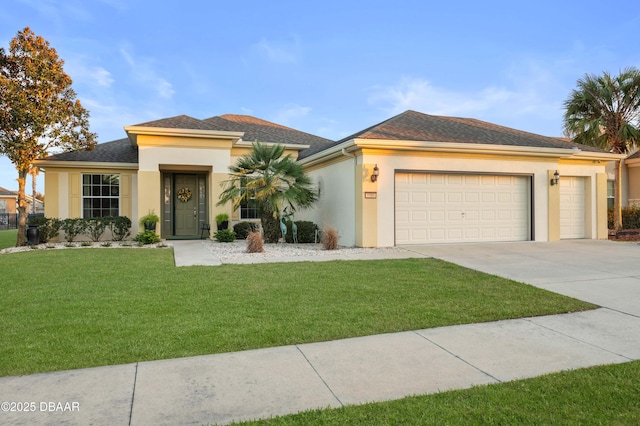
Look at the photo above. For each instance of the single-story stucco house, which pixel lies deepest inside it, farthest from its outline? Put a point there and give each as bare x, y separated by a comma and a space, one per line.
412, 179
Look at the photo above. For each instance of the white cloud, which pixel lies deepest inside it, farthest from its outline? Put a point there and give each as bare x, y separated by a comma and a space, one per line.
527, 96
421, 95
282, 52
290, 114
142, 70
83, 73
60, 11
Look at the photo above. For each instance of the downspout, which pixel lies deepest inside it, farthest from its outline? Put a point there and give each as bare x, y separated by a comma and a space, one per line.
348, 154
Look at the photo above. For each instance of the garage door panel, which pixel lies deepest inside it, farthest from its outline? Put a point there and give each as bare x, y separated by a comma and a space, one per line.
463, 208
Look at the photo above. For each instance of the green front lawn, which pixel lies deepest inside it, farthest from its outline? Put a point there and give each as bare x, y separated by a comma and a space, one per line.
74, 308
8, 238
605, 395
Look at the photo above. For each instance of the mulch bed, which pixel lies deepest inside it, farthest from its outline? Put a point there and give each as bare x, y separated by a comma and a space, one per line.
625, 235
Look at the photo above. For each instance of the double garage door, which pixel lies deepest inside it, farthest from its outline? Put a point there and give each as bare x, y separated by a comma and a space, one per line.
453, 208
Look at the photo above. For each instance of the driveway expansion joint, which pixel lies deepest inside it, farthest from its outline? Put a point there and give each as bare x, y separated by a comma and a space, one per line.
320, 376
486, 373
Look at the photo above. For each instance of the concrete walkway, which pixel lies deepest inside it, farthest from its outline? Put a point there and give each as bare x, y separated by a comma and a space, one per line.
256, 384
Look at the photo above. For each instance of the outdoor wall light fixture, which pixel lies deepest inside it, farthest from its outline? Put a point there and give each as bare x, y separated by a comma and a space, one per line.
555, 178
375, 173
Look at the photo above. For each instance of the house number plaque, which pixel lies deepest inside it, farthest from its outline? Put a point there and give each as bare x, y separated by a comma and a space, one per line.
370, 195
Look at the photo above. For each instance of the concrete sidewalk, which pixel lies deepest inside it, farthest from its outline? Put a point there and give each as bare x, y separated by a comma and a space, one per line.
267, 382
261, 383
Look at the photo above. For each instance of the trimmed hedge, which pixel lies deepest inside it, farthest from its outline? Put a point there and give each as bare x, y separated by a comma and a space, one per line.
306, 231
225, 236
630, 218
242, 229
92, 228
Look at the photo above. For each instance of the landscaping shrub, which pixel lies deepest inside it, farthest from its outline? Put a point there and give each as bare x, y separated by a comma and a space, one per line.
73, 227
48, 228
306, 231
329, 238
147, 237
96, 226
630, 218
225, 236
120, 227
254, 242
242, 229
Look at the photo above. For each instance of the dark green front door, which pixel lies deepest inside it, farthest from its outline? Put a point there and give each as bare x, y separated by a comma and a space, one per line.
186, 218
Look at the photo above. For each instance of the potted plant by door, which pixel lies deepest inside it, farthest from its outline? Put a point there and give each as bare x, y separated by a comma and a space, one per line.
149, 221
222, 221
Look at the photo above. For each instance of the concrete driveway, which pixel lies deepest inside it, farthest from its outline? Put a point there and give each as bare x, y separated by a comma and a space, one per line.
602, 272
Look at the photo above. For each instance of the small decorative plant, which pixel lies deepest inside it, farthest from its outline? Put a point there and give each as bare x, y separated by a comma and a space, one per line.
242, 229
225, 236
222, 221
120, 227
147, 237
329, 238
149, 221
254, 242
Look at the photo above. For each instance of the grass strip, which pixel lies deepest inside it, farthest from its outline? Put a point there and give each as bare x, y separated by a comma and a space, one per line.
75, 308
603, 395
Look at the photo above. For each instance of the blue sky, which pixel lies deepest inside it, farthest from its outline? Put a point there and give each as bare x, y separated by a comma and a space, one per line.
329, 68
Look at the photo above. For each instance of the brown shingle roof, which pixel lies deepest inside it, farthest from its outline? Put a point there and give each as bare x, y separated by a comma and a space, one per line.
266, 131
178, 122
118, 151
416, 126
5, 192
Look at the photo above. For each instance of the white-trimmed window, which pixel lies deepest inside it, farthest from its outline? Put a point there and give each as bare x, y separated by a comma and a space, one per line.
248, 208
3, 206
610, 194
100, 195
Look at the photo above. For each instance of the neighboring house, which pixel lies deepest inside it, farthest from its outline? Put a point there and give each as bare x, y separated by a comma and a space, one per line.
630, 180
9, 202
437, 179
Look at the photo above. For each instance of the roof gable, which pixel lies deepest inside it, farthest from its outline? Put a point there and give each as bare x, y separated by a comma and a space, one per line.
266, 131
178, 122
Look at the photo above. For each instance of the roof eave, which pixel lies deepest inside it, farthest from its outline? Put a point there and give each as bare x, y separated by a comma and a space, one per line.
44, 163
249, 144
134, 131
455, 147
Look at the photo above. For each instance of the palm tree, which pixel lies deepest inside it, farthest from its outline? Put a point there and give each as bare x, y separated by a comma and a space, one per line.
604, 111
34, 172
271, 181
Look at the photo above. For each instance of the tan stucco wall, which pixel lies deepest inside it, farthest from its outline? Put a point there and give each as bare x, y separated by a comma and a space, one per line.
374, 218
553, 210
602, 231
11, 204
366, 207
63, 188
633, 184
149, 196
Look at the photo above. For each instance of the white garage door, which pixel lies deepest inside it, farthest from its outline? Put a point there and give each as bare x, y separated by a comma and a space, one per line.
572, 207
445, 208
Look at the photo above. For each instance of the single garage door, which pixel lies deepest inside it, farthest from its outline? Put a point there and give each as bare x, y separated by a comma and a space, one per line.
572, 207
447, 208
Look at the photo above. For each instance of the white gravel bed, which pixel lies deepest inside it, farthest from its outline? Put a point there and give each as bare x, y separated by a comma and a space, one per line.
238, 250
224, 251
79, 245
